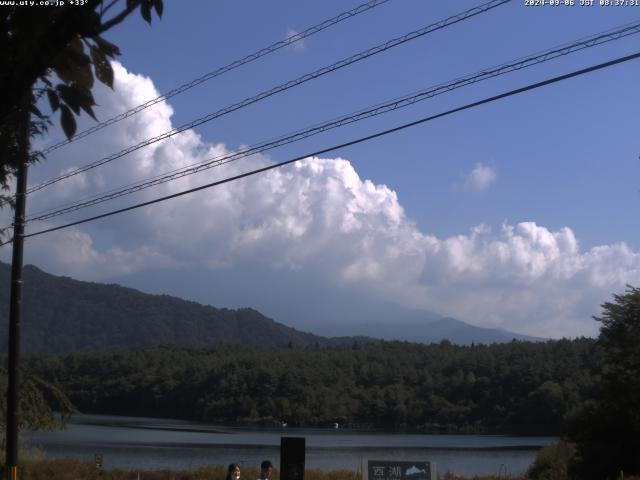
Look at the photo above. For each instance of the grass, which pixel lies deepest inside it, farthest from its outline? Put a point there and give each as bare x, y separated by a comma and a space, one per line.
34, 468
450, 476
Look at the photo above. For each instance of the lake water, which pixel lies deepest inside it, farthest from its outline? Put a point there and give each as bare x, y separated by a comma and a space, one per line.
146, 443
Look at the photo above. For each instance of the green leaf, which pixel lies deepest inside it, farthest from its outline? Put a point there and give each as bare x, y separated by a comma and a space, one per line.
73, 65
64, 71
36, 111
86, 106
77, 97
67, 121
76, 45
159, 6
108, 48
54, 101
84, 75
102, 66
70, 96
145, 11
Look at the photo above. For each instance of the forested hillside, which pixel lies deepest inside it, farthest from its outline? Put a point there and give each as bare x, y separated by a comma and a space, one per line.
61, 314
514, 387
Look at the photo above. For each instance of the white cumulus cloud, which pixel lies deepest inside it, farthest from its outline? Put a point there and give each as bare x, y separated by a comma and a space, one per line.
318, 219
480, 178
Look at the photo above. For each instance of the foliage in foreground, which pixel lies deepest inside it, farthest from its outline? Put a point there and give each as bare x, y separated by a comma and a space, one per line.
606, 431
552, 462
38, 400
62, 44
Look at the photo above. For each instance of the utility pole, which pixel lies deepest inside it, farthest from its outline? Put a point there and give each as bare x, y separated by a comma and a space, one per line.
13, 397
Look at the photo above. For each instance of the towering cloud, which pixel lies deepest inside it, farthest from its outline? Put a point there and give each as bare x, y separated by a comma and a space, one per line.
318, 219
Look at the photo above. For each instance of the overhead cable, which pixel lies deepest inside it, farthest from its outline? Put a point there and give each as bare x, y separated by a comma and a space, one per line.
515, 65
280, 88
468, 106
221, 70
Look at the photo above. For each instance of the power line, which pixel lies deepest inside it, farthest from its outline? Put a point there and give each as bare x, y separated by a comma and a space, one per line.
468, 106
280, 88
523, 62
221, 70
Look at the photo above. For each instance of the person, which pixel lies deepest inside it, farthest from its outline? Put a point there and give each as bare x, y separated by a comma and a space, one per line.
233, 472
265, 470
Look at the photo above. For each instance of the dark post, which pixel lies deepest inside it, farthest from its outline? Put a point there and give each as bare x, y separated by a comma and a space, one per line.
13, 404
292, 453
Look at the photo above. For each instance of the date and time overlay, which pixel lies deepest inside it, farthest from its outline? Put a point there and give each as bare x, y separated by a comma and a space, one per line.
581, 3
526, 3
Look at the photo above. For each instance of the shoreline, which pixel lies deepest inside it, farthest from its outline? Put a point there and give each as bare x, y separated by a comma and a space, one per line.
125, 445
262, 426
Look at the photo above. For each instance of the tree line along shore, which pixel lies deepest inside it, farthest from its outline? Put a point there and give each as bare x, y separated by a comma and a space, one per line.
519, 387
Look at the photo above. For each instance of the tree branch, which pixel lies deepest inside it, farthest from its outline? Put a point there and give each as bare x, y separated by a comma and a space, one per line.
106, 9
118, 18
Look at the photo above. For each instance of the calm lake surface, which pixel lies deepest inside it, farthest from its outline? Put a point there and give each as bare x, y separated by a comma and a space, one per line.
148, 443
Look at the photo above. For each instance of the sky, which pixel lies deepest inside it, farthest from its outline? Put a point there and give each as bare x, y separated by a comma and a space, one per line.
518, 214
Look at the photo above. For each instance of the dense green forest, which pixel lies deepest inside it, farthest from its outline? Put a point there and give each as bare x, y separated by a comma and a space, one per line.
514, 387
62, 315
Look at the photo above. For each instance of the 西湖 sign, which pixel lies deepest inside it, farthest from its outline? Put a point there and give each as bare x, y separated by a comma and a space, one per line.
396, 470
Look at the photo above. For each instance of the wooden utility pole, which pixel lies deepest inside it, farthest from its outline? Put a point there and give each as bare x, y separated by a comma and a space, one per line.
13, 384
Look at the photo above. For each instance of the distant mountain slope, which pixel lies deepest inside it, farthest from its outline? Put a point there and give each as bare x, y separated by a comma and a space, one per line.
61, 314
427, 327
328, 310
464, 334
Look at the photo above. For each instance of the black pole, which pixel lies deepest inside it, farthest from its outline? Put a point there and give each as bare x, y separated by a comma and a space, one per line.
13, 403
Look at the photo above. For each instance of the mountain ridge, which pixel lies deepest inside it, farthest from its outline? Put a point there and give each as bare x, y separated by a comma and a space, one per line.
61, 314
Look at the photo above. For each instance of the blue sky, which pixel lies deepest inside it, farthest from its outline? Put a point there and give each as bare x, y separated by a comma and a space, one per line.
519, 214
557, 150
